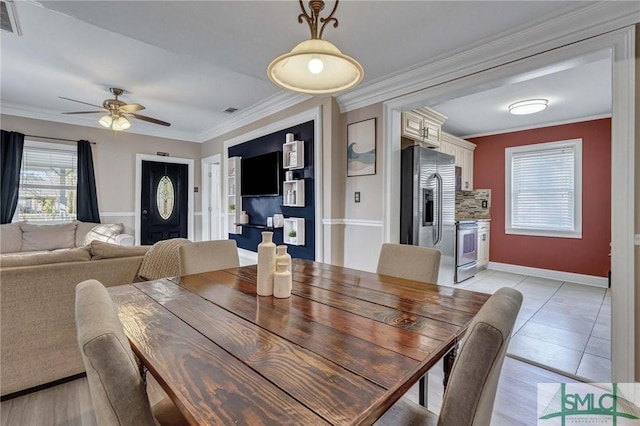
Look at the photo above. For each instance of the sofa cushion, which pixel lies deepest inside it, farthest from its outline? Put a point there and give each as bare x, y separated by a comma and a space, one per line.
100, 250
11, 237
57, 256
48, 237
82, 230
106, 232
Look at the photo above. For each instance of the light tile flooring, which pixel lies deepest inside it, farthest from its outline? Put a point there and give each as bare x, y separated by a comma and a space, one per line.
562, 326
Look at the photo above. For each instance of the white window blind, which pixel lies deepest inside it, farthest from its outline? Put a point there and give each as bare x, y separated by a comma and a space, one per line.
48, 181
544, 189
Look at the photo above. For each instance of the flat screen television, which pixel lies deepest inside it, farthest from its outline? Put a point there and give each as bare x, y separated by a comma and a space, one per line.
261, 175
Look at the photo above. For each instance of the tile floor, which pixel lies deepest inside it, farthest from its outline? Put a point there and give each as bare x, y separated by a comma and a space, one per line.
563, 326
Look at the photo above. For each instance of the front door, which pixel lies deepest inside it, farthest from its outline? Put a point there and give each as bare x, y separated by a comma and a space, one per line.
164, 201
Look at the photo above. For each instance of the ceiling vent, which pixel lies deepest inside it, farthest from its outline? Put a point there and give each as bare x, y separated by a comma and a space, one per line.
230, 110
9, 18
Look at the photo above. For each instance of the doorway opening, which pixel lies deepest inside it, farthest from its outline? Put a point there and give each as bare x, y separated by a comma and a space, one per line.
211, 196
622, 195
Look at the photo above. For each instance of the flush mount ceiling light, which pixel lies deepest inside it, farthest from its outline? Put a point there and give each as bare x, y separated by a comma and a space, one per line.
316, 66
530, 106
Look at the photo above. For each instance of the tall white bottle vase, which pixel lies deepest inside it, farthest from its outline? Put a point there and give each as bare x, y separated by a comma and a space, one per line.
282, 282
283, 257
266, 264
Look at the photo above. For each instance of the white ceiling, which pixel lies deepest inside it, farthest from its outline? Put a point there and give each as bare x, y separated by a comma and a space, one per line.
187, 61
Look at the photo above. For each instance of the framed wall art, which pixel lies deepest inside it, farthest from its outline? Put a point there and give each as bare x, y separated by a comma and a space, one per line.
361, 148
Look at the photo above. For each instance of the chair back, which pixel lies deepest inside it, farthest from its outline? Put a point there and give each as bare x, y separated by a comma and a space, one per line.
116, 386
409, 262
471, 391
206, 256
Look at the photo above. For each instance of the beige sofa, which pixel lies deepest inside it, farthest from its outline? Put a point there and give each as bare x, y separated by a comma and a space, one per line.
21, 237
38, 342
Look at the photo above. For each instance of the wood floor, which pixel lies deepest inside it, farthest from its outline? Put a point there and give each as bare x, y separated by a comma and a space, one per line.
69, 404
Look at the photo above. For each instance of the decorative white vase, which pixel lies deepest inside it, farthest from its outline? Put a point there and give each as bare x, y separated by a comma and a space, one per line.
244, 217
282, 282
266, 264
283, 257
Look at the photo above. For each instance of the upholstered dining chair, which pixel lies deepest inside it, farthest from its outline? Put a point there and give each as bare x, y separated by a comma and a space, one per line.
162, 260
412, 263
117, 388
471, 391
206, 256
409, 262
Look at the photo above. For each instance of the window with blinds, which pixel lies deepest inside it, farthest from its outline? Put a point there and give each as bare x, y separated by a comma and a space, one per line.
543, 193
48, 181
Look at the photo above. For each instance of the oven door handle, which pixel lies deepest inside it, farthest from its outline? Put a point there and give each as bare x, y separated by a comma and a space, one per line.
437, 229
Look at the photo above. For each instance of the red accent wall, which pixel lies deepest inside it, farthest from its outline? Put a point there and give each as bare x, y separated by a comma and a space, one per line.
589, 255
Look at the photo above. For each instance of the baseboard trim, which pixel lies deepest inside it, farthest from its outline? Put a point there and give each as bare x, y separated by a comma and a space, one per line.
41, 387
590, 280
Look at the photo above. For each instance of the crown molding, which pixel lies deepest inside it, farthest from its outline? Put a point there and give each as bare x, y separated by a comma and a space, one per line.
39, 114
538, 126
271, 105
510, 46
262, 109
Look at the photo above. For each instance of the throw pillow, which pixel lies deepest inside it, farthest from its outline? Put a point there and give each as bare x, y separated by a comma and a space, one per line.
11, 237
106, 233
101, 250
48, 237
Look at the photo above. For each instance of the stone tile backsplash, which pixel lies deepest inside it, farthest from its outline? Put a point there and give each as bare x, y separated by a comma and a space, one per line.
469, 204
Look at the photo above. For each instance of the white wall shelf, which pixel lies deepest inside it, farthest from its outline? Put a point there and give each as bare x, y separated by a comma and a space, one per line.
293, 193
234, 199
293, 232
293, 155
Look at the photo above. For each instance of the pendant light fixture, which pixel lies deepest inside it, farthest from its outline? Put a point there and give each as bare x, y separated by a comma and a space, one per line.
316, 66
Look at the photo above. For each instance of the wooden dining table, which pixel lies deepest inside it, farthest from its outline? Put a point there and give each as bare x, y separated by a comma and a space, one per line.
340, 351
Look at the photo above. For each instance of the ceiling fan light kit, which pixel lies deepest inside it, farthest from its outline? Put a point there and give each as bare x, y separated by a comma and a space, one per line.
316, 66
529, 106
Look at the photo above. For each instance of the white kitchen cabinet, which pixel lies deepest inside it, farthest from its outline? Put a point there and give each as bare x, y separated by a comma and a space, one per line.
484, 228
423, 125
234, 198
463, 151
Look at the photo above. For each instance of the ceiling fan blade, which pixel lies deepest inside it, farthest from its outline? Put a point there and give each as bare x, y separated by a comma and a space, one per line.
80, 102
132, 108
150, 120
84, 112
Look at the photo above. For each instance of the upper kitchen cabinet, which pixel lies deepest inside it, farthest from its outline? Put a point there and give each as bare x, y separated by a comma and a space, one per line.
423, 125
463, 151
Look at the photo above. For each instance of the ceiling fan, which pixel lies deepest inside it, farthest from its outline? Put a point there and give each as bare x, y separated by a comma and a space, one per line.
117, 112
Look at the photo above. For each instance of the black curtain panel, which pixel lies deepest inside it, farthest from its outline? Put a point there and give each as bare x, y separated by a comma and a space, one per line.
12, 144
87, 196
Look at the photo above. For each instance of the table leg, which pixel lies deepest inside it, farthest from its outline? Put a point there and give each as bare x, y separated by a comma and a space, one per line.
448, 360
423, 390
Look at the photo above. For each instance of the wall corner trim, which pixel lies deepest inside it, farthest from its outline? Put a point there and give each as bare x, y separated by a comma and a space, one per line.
636, 240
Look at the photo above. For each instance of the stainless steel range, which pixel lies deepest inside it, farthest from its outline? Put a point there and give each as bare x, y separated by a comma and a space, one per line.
466, 250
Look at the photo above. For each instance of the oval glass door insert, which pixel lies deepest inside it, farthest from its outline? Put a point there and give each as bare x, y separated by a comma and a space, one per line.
165, 197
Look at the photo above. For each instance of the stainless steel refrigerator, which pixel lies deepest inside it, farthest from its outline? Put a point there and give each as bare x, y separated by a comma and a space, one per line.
427, 206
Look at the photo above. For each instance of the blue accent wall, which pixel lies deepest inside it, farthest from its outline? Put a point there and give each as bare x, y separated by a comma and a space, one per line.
259, 208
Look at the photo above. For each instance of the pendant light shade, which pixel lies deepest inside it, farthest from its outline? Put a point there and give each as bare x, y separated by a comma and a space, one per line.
121, 123
316, 66
106, 121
